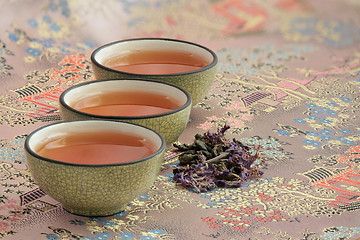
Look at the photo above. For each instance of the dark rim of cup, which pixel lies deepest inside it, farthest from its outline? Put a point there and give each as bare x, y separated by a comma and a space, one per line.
212, 64
36, 155
67, 106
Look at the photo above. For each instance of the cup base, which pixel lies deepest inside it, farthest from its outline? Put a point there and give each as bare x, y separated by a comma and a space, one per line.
94, 212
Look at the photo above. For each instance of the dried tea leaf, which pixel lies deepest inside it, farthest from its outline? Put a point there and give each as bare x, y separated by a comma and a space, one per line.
214, 161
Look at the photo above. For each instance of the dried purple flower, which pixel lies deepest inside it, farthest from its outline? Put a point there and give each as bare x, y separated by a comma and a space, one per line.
214, 161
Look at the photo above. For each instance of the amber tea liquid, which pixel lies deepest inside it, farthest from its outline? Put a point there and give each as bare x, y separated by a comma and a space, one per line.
126, 103
96, 148
156, 62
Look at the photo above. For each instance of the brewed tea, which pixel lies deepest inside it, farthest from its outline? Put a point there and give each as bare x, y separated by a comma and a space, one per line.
96, 148
126, 103
156, 62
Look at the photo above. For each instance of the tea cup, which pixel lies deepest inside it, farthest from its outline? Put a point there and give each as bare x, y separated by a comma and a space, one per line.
170, 124
196, 81
93, 189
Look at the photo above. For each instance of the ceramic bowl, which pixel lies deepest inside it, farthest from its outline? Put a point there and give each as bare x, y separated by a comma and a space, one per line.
196, 82
169, 124
93, 190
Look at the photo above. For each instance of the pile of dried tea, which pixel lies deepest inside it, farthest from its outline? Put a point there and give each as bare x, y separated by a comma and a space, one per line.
214, 161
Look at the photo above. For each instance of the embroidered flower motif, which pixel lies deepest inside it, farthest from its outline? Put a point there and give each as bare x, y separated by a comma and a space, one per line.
126, 236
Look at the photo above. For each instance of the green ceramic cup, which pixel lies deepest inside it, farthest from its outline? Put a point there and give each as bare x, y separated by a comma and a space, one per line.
169, 124
93, 190
196, 82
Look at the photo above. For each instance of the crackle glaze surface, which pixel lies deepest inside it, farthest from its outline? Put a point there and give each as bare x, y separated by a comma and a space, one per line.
94, 191
169, 126
196, 84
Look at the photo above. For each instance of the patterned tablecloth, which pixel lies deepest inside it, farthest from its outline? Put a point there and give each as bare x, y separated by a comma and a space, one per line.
287, 79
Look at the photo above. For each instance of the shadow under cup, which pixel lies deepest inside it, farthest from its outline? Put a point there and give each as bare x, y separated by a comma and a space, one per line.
196, 82
169, 124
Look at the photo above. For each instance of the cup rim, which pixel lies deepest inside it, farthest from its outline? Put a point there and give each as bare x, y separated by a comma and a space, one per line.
211, 65
68, 107
38, 156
